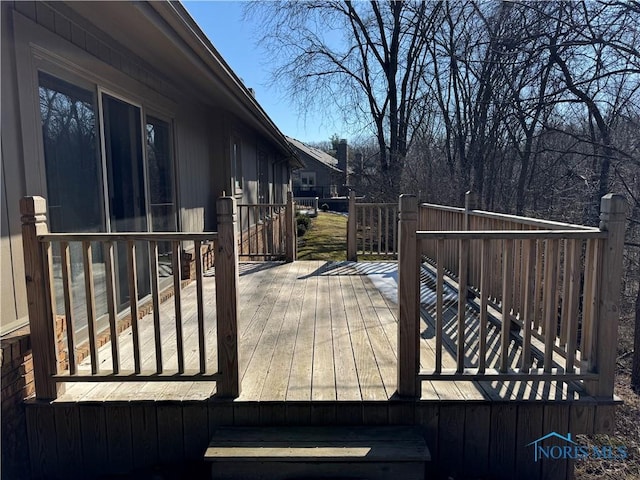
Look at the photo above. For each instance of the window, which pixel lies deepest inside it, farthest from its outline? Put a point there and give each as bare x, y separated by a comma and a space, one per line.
106, 170
72, 161
161, 181
263, 178
308, 180
236, 167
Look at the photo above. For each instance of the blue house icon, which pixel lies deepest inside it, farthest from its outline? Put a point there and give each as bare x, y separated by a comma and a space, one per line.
538, 448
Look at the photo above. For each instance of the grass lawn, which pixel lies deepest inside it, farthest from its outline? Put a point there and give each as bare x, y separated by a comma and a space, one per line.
326, 239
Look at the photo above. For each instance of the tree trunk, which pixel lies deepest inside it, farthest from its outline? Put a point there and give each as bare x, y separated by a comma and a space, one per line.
635, 371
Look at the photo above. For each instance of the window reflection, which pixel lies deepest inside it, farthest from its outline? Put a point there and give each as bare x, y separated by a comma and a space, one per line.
74, 184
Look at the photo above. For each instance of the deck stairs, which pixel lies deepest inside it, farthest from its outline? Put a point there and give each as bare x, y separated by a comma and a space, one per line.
292, 453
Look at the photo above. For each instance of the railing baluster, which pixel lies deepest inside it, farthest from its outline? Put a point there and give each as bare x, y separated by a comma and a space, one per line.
565, 272
462, 301
572, 300
517, 276
91, 304
395, 229
550, 306
133, 303
240, 210
256, 220
111, 305
155, 296
589, 306
529, 257
386, 231
439, 301
200, 304
507, 286
68, 306
379, 229
537, 298
177, 302
485, 282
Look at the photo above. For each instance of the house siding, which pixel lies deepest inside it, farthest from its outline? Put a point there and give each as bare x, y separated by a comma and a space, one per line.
34, 34
201, 132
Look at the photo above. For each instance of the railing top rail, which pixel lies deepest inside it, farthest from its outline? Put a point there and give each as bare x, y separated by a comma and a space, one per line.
282, 205
444, 208
377, 204
530, 221
511, 234
536, 222
125, 236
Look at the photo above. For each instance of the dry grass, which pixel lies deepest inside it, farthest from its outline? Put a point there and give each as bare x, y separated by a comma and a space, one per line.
627, 426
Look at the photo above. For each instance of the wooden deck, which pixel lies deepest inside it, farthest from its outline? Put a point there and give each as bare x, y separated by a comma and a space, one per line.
314, 331
317, 347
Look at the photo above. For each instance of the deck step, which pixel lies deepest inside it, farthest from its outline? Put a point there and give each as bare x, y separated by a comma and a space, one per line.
288, 453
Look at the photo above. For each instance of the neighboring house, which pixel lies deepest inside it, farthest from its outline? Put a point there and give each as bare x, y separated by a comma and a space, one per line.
322, 174
125, 118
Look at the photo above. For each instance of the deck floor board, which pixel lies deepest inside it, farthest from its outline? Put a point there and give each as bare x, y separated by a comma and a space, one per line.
310, 331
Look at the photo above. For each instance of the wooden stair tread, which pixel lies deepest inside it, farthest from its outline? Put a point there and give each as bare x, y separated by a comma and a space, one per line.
319, 444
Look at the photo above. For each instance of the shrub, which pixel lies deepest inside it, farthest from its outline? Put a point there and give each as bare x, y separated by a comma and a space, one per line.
324, 207
303, 222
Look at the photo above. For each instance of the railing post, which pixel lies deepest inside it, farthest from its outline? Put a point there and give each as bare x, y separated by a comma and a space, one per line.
315, 206
39, 279
290, 226
408, 297
613, 210
470, 203
226, 268
352, 254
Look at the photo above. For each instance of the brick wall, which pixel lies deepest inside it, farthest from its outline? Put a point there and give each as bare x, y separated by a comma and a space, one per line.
17, 384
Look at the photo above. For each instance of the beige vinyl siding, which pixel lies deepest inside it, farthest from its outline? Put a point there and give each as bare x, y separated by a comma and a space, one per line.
13, 293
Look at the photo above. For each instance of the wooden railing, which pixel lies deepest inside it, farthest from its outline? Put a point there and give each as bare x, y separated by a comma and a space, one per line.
307, 204
552, 288
371, 229
165, 349
267, 231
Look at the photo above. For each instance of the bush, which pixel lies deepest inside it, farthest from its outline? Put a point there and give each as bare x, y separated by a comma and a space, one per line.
303, 222
324, 207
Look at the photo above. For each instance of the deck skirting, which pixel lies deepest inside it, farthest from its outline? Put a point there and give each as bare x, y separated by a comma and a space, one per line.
481, 439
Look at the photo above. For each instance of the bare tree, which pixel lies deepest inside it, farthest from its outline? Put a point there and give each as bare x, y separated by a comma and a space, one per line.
365, 59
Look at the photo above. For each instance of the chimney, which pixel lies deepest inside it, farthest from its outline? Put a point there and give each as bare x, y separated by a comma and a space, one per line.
342, 154
359, 161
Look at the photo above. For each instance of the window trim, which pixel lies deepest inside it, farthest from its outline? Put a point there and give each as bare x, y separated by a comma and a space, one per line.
236, 160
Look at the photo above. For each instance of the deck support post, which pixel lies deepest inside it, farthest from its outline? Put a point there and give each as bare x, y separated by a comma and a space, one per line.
352, 252
226, 268
408, 298
613, 213
38, 271
290, 230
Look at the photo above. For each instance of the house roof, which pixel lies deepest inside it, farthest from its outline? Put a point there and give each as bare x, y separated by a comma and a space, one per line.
165, 35
315, 154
